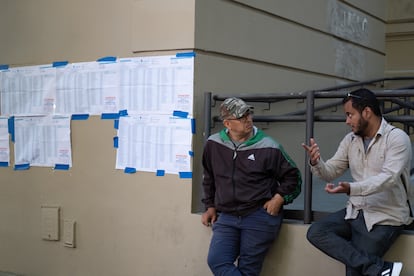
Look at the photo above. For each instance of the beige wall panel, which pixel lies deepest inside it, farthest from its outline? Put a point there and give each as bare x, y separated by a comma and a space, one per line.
45, 31
378, 8
126, 223
4, 26
233, 75
306, 256
280, 42
400, 56
400, 10
357, 63
400, 29
332, 16
162, 24
400, 39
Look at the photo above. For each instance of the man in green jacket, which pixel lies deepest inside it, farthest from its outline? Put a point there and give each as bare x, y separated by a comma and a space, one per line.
248, 177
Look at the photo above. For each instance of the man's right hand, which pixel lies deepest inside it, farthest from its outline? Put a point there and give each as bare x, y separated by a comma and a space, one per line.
313, 150
209, 216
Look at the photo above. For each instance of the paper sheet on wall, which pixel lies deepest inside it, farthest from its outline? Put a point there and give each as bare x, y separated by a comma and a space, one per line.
162, 84
28, 90
157, 87
42, 141
87, 88
151, 142
4, 141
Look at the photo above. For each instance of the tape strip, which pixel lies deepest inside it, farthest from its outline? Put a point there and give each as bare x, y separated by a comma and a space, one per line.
185, 174
22, 167
62, 167
130, 170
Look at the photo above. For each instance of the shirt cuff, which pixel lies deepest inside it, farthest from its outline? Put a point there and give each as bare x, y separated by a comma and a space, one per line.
354, 189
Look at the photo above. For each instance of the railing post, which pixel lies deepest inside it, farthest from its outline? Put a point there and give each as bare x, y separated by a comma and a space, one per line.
207, 115
310, 110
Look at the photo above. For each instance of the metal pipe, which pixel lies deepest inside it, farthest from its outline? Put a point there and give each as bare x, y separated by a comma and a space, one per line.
317, 94
310, 105
207, 116
318, 118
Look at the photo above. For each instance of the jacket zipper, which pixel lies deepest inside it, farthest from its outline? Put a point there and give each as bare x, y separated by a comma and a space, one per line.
232, 175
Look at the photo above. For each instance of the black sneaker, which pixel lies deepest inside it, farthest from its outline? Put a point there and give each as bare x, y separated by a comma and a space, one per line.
391, 269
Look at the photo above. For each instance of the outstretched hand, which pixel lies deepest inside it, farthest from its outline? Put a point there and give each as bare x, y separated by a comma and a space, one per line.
313, 151
341, 188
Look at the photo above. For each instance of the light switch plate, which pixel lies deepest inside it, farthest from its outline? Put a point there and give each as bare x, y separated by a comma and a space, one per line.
50, 223
69, 227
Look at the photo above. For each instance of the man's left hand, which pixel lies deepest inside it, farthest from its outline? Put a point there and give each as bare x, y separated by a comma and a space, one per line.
273, 205
341, 188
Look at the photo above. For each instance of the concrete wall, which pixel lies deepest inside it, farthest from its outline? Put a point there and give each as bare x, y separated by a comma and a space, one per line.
126, 224
400, 39
142, 224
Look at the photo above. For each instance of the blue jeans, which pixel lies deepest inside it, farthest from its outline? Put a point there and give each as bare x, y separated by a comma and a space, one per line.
349, 242
245, 239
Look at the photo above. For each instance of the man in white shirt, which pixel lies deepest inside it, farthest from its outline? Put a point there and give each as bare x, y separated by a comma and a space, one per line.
379, 158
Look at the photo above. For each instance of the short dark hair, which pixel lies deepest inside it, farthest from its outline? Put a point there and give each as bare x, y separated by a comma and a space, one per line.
362, 98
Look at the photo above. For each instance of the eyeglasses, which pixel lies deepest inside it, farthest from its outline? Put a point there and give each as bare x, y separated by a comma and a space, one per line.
353, 96
243, 119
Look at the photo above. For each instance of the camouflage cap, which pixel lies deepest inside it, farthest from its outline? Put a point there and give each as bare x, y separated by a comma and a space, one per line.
234, 107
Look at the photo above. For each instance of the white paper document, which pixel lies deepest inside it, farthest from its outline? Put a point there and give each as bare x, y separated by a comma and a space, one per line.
42, 141
28, 90
160, 85
4, 141
87, 88
152, 96
152, 142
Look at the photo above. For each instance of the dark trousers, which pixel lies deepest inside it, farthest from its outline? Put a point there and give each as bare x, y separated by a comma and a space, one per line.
245, 239
349, 242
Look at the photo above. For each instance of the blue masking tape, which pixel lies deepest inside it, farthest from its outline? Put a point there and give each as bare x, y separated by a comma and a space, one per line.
160, 173
123, 112
185, 174
10, 124
62, 167
116, 141
191, 153
22, 167
130, 170
4, 164
107, 59
180, 114
186, 54
4, 66
193, 126
109, 116
59, 63
80, 116
116, 124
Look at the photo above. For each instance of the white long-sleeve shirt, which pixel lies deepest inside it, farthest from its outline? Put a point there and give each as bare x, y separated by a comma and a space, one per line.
378, 175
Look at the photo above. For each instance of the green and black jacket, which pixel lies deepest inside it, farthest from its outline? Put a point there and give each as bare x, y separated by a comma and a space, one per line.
239, 179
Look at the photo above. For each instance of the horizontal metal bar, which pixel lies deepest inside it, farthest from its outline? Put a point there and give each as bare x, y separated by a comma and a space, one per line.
318, 118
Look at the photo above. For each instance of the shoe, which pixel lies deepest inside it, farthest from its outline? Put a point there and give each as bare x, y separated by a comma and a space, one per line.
391, 269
